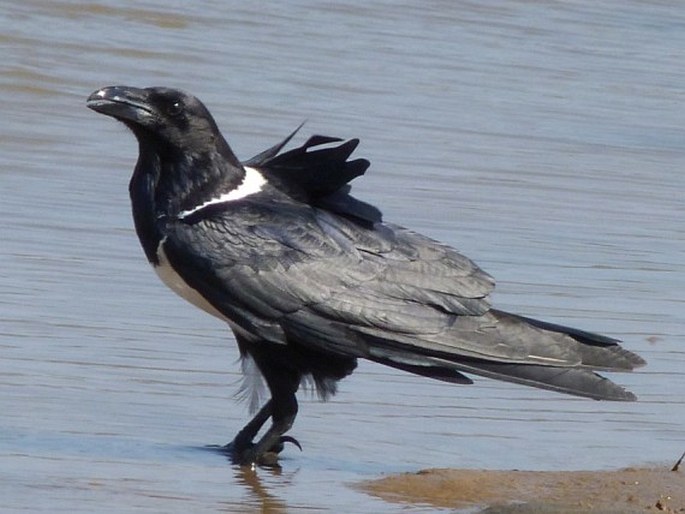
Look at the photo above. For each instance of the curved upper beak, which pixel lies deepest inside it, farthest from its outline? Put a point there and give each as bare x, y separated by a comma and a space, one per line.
122, 102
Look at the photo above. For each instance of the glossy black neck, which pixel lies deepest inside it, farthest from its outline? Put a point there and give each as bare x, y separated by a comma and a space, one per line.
141, 189
166, 182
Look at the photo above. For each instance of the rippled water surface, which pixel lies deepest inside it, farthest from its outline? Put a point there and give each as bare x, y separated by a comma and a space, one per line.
546, 140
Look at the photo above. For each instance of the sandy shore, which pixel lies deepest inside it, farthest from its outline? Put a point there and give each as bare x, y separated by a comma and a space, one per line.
627, 491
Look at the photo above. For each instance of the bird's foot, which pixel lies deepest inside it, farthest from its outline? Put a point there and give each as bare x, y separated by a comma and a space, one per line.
248, 454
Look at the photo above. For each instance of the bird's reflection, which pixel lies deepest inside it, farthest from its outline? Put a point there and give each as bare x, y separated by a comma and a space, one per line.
255, 480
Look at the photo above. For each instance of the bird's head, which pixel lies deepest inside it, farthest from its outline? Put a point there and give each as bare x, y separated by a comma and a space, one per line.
183, 159
165, 117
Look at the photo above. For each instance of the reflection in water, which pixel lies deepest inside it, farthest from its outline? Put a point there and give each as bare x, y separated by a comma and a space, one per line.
259, 493
257, 482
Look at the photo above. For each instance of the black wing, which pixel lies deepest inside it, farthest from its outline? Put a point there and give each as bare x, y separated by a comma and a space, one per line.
289, 271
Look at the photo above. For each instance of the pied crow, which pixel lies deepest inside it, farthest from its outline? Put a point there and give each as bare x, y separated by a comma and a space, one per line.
310, 279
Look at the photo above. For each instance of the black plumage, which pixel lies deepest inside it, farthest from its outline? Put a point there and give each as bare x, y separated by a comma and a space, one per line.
310, 279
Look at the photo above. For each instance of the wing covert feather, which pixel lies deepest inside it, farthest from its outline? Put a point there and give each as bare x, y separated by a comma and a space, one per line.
302, 272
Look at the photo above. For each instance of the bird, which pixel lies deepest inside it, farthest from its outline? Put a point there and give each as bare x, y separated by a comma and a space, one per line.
310, 279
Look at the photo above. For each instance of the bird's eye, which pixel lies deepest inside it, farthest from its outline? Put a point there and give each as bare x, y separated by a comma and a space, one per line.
175, 108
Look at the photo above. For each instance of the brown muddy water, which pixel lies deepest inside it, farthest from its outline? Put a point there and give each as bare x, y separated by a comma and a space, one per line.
546, 140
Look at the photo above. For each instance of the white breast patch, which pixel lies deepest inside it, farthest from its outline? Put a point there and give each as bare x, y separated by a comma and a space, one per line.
179, 286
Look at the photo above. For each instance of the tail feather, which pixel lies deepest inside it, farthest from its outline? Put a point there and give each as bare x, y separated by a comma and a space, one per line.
586, 353
575, 381
596, 351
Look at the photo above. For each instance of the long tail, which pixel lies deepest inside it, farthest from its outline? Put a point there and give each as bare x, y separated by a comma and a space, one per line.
597, 352
575, 381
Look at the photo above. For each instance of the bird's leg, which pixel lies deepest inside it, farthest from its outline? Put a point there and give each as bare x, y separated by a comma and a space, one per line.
243, 439
265, 451
282, 381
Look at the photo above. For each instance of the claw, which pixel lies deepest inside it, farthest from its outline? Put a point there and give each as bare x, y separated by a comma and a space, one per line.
290, 439
278, 447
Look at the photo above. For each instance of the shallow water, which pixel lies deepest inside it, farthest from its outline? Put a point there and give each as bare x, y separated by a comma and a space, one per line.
545, 140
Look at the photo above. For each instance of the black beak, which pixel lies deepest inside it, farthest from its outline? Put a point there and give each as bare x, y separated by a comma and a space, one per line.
128, 104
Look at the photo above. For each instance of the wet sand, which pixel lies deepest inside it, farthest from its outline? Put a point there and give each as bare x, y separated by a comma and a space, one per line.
625, 491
